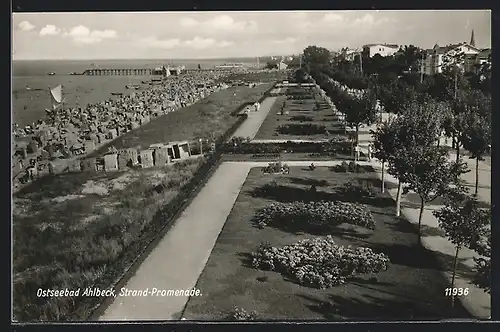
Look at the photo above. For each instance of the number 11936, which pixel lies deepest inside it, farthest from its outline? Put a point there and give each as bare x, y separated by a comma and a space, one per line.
456, 291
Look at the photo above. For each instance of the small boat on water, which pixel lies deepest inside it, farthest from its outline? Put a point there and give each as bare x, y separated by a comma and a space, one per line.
51, 73
32, 89
116, 93
133, 86
145, 82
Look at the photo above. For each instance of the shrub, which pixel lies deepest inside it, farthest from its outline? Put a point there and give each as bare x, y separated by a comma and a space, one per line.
324, 215
276, 168
301, 118
342, 168
241, 314
301, 129
357, 191
319, 262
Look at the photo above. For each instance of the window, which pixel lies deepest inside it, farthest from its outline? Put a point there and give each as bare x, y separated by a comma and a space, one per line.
380, 49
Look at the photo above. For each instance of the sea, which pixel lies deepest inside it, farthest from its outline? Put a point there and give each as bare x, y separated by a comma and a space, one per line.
28, 106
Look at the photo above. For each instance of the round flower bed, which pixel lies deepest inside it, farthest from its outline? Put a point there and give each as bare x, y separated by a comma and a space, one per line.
325, 215
319, 262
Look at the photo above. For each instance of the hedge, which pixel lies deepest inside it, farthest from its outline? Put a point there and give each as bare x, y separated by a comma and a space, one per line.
289, 146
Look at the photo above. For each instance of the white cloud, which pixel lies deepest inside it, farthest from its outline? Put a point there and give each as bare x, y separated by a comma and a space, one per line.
154, 42
219, 23
83, 35
289, 40
197, 43
26, 26
49, 30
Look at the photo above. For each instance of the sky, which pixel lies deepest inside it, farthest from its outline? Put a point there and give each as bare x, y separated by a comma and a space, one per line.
186, 35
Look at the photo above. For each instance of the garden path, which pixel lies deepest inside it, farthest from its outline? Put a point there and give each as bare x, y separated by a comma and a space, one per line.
251, 126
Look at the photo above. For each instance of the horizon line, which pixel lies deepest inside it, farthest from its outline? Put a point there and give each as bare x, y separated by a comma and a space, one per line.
140, 58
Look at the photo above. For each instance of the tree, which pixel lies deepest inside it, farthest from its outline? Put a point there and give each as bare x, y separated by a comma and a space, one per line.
464, 224
431, 175
314, 56
395, 96
476, 138
360, 109
384, 144
417, 127
272, 64
483, 263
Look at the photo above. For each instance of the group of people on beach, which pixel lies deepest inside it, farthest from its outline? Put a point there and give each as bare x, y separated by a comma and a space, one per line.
172, 93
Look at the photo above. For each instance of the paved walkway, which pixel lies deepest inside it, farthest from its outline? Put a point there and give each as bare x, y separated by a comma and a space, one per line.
252, 124
179, 258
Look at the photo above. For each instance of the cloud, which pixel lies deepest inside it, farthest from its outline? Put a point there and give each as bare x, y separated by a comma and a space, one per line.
83, 35
153, 42
26, 26
197, 43
49, 30
219, 23
289, 40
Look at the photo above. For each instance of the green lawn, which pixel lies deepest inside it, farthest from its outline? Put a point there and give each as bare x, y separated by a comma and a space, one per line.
411, 288
302, 113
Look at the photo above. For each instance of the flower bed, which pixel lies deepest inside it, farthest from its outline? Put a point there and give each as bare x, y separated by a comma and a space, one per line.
324, 215
301, 129
319, 262
276, 168
301, 118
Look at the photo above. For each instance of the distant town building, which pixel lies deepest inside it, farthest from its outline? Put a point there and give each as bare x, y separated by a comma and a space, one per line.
282, 66
380, 49
465, 56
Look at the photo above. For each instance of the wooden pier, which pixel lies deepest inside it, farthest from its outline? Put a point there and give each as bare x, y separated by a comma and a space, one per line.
134, 72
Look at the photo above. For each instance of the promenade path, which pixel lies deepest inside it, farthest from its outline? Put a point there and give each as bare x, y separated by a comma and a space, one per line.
252, 124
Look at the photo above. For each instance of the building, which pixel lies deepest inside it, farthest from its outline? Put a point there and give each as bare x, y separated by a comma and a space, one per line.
380, 49
160, 155
146, 158
282, 66
466, 55
463, 54
179, 150
111, 162
349, 54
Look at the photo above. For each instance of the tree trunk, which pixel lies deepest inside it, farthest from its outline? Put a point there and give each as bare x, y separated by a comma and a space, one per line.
453, 141
398, 199
455, 261
422, 205
457, 147
357, 134
383, 180
477, 175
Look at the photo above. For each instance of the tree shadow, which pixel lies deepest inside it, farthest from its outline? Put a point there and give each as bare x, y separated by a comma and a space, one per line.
288, 194
246, 259
309, 182
376, 182
418, 257
404, 226
340, 308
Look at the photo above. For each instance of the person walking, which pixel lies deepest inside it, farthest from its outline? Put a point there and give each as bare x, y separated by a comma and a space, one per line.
356, 152
370, 150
